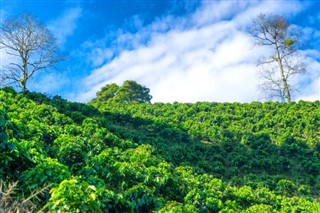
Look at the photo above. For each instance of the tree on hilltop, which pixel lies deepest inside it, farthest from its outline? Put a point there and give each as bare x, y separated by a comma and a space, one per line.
130, 91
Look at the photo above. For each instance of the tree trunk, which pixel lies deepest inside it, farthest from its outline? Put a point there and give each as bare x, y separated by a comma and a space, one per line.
23, 85
283, 78
24, 78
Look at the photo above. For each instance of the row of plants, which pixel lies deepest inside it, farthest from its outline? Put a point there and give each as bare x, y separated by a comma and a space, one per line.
62, 156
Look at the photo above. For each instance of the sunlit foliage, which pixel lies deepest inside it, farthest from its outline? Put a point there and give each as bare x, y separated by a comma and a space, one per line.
142, 157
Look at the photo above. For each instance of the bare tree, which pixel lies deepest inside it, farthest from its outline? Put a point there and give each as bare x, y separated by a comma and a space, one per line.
279, 69
30, 45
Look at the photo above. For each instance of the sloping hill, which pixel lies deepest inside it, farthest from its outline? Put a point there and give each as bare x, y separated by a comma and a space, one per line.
141, 157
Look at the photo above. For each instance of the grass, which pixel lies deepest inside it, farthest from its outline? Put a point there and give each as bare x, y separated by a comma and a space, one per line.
12, 202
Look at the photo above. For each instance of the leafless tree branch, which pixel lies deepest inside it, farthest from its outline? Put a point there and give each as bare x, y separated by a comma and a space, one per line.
279, 69
31, 44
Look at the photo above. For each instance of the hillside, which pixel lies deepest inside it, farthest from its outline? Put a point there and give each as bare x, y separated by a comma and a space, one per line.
142, 157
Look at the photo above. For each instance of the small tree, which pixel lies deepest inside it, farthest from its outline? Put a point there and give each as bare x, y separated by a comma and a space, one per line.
279, 69
32, 47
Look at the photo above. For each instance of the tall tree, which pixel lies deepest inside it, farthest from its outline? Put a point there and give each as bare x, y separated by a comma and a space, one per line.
278, 69
32, 47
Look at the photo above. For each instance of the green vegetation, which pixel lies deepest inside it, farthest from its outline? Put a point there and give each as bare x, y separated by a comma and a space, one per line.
129, 92
133, 156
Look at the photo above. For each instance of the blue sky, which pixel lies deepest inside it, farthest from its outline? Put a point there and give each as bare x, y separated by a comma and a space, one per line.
183, 50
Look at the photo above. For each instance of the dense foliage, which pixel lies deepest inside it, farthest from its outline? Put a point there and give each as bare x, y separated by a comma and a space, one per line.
130, 91
109, 156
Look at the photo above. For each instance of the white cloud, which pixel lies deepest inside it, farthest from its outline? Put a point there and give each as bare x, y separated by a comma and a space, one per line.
311, 92
65, 25
311, 79
203, 57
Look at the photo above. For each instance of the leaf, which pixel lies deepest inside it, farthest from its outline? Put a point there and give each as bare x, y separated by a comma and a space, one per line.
11, 146
92, 187
2, 121
289, 42
93, 196
2, 145
3, 138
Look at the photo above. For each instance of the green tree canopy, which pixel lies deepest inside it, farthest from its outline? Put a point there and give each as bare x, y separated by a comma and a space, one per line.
107, 92
130, 91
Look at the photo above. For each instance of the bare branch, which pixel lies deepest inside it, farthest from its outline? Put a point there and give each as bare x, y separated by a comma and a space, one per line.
31, 44
279, 69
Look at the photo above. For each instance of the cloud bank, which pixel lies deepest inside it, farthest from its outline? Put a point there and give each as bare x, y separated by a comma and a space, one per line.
206, 56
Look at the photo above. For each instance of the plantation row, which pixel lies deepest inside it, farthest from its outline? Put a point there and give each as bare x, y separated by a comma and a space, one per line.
109, 156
